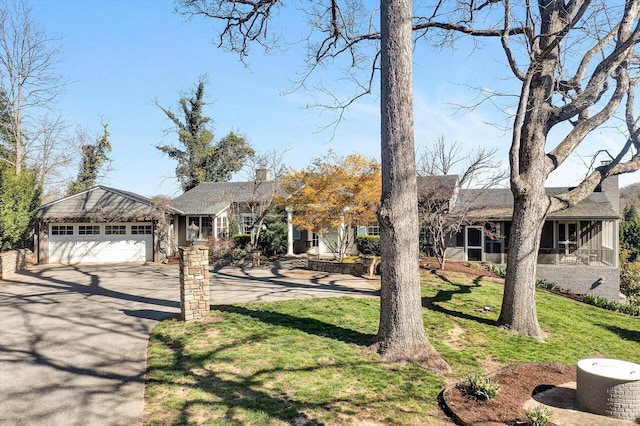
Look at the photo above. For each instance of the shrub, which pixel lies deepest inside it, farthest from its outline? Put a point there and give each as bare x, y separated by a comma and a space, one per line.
273, 239
220, 252
547, 285
540, 283
368, 244
625, 308
234, 227
629, 275
538, 416
20, 197
241, 240
497, 270
482, 387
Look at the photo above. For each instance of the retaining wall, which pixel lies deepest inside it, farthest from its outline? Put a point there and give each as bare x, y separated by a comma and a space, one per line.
14, 261
357, 269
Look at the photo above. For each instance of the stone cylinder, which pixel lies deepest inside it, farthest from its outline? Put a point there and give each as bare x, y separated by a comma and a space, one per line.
609, 387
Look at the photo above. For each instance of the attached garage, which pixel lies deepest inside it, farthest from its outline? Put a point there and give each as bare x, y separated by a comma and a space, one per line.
100, 243
103, 225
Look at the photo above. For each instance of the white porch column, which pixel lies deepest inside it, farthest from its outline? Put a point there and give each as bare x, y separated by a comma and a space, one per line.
289, 232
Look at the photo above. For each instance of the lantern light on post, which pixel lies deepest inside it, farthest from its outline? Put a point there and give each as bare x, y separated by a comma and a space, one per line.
192, 233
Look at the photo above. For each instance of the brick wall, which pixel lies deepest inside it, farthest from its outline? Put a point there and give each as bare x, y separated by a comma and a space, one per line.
194, 282
608, 396
603, 281
14, 261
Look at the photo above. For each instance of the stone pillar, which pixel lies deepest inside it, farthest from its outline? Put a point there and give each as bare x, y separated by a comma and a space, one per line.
194, 282
289, 232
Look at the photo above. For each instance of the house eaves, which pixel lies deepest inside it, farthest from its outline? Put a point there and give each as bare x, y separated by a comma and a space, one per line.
497, 204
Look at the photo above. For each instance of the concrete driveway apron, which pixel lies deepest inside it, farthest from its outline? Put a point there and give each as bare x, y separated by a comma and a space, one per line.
73, 342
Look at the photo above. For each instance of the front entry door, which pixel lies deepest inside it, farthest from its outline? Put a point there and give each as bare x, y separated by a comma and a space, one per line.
474, 243
567, 241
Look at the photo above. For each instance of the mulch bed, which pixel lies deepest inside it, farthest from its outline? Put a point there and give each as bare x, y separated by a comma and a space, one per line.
467, 268
518, 383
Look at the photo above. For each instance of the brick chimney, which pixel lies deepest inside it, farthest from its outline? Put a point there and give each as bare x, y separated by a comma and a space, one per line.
263, 175
609, 186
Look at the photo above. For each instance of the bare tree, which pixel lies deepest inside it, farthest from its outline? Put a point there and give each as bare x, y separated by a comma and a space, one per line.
343, 28
436, 198
476, 167
52, 151
437, 195
576, 65
28, 57
264, 171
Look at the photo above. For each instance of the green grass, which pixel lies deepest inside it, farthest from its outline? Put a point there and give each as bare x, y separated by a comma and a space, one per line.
296, 361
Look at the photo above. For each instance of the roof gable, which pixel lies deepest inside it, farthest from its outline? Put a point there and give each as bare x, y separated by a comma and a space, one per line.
102, 204
437, 187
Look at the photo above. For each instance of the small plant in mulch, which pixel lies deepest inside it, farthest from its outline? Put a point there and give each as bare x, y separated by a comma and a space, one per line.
480, 387
538, 416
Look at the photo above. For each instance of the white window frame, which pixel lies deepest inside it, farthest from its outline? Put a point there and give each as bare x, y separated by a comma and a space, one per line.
115, 230
198, 221
246, 223
221, 227
141, 230
62, 230
88, 229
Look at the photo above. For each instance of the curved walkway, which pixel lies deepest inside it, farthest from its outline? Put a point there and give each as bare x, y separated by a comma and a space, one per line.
73, 339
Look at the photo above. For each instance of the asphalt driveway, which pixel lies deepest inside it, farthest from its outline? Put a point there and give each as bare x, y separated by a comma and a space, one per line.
73, 339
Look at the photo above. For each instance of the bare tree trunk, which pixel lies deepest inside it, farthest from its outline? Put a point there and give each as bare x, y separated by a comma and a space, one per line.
530, 168
518, 312
401, 333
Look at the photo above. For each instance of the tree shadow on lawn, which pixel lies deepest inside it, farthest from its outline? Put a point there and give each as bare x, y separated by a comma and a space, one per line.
229, 395
306, 325
623, 333
434, 303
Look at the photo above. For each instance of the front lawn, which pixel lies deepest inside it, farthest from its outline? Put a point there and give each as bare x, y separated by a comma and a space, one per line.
307, 362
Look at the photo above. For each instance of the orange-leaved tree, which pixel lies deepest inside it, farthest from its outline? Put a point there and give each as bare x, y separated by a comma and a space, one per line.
332, 196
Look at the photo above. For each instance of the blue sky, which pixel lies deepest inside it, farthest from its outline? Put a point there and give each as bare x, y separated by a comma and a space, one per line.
121, 55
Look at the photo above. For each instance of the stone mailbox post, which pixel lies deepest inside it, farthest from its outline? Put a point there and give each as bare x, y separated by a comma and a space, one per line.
194, 282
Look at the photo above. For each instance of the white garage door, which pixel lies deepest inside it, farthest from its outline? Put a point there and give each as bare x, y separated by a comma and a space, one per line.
100, 243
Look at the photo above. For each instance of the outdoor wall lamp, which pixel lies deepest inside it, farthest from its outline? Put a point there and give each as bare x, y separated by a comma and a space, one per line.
192, 233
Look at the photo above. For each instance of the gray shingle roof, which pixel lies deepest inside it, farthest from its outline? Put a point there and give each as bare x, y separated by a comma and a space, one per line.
497, 204
440, 187
210, 198
102, 203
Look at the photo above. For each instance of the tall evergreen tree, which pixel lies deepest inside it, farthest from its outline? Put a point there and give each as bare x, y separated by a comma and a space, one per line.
94, 157
20, 196
200, 159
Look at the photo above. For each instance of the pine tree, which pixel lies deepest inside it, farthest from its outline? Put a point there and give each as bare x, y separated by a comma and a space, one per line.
200, 159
